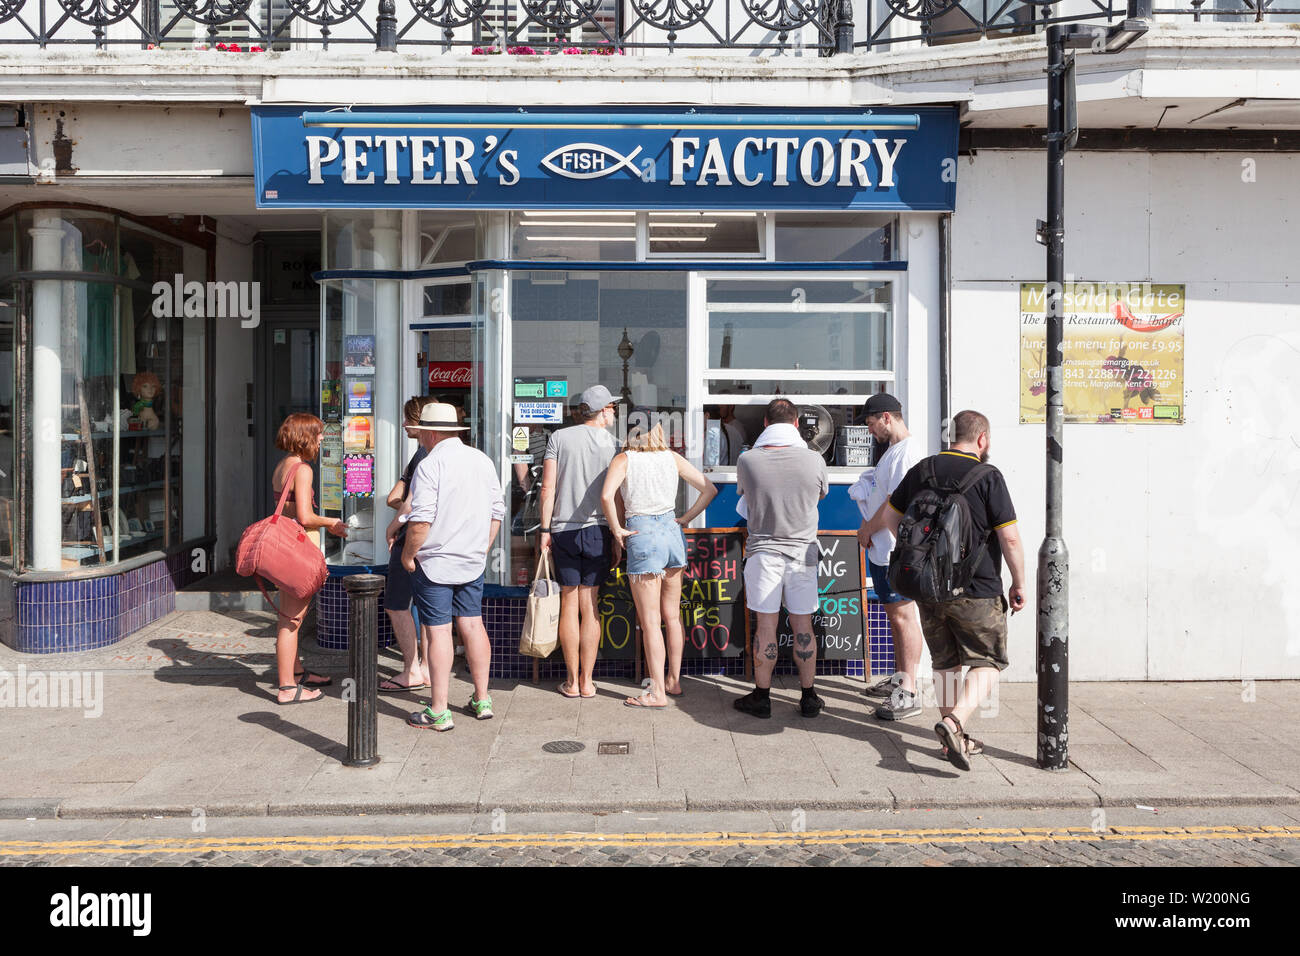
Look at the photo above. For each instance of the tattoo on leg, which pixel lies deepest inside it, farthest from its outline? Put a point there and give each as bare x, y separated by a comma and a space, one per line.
804, 640
770, 652
804, 655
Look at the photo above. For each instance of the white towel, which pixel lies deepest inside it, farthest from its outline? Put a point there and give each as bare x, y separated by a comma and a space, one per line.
780, 435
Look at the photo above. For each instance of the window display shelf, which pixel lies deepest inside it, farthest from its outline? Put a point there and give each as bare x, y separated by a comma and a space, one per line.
78, 552
123, 489
97, 436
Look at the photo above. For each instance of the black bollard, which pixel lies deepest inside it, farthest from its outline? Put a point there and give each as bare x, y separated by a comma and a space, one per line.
363, 651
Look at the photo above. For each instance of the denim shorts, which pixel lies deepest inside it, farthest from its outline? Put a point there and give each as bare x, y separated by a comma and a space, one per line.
397, 590
658, 544
437, 604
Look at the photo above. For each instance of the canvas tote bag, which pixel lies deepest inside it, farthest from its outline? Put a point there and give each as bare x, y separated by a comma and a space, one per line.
278, 549
542, 619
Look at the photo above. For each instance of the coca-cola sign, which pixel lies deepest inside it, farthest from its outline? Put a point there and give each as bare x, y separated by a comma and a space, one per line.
450, 374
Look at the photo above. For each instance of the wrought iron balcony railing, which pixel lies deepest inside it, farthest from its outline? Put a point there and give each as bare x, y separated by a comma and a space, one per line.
615, 27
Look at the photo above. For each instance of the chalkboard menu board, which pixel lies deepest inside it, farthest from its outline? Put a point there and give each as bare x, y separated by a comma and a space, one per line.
838, 623
713, 607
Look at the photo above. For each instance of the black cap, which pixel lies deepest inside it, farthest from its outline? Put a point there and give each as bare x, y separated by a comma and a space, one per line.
882, 402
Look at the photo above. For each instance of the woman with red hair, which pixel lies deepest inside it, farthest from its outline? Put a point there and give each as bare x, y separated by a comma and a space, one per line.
299, 437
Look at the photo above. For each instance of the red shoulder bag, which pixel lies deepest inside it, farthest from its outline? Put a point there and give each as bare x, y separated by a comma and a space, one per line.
278, 549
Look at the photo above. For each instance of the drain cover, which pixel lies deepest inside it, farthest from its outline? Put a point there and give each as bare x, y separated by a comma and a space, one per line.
613, 747
563, 747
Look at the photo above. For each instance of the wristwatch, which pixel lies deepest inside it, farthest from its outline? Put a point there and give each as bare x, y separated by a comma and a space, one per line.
545, 530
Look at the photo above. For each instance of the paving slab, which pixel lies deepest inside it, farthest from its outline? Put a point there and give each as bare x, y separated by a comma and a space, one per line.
189, 722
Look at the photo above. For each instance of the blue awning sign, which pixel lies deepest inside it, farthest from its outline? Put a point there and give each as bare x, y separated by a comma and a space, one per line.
816, 161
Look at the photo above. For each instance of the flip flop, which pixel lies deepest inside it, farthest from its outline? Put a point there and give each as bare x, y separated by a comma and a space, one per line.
302, 678
399, 688
297, 696
560, 688
586, 696
640, 702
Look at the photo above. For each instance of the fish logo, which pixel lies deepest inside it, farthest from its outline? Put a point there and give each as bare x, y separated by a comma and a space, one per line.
588, 161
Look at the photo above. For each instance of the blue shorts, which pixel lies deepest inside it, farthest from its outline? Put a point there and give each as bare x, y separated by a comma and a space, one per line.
437, 604
880, 584
658, 544
397, 592
582, 557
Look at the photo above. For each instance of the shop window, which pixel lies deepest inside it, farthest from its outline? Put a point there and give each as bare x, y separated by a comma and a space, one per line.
832, 237
574, 236
113, 391
824, 343
447, 237
715, 234
361, 358
624, 330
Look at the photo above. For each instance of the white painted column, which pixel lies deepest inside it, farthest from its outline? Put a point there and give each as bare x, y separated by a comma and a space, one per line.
387, 237
918, 349
47, 395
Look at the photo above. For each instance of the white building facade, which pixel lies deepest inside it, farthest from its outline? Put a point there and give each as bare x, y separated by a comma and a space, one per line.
1179, 185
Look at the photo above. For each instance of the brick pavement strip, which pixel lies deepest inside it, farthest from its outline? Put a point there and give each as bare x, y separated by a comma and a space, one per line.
1000, 846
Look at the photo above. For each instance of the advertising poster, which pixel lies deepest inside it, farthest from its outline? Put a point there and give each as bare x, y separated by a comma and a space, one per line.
359, 435
359, 476
331, 467
331, 398
331, 486
1123, 353
359, 354
360, 397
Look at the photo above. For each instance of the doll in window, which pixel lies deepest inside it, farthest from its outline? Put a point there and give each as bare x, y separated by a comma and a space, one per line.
145, 387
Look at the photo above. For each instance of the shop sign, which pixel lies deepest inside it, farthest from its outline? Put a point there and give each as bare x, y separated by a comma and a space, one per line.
519, 438
1123, 353
392, 163
539, 413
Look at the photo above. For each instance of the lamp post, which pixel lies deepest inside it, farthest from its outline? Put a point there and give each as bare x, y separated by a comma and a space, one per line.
625, 351
1052, 657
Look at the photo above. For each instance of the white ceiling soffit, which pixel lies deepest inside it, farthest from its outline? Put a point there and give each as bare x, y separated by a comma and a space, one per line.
1248, 114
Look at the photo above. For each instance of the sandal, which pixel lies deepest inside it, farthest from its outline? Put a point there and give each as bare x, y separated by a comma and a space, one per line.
297, 696
304, 677
643, 701
953, 743
397, 688
972, 745
561, 687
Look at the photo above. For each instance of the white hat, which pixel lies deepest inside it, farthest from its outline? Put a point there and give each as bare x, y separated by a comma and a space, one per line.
439, 417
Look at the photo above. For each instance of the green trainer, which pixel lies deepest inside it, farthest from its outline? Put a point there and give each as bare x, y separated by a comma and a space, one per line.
480, 709
427, 720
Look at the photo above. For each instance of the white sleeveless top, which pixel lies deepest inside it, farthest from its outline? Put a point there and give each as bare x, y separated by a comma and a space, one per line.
650, 487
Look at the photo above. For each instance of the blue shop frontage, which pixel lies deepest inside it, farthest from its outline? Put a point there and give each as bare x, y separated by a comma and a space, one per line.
697, 263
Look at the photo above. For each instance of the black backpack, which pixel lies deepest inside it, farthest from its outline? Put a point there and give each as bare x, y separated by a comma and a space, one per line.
937, 553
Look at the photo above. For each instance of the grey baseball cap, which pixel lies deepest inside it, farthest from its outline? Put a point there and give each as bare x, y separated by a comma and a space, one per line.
596, 398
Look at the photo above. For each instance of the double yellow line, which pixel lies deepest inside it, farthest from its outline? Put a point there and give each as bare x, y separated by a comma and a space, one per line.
327, 844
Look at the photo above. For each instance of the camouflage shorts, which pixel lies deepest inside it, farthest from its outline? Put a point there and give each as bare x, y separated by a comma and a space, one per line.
969, 631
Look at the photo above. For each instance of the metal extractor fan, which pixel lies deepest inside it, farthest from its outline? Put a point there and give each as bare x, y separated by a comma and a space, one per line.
816, 427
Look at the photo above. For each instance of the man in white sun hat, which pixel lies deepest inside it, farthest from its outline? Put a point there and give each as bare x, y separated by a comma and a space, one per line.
456, 507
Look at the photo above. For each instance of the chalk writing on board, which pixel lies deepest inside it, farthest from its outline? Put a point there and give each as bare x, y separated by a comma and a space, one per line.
712, 604
837, 622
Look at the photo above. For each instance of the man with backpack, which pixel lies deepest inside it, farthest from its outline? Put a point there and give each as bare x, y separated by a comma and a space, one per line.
953, 520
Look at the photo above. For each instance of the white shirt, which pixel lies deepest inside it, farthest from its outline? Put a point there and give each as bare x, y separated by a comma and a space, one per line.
650, 487
879, 484
455, 490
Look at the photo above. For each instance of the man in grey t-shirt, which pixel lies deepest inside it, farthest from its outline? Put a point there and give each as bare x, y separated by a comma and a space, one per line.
781, 480
573, 528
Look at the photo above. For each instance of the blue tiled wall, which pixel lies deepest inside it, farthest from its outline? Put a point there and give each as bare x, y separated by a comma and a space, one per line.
59, 617
332, 610
503, 617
